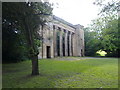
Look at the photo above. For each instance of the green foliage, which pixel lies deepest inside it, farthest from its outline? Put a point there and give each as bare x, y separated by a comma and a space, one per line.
92, 42
110, 36
103, 34
20, 28
84, 73
108, 7
13, 43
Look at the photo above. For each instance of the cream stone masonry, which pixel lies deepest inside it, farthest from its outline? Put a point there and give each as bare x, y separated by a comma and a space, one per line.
70, 49
61, 43
66, 43
61, 38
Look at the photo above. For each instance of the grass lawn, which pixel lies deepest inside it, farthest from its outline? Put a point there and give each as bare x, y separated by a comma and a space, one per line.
84, 73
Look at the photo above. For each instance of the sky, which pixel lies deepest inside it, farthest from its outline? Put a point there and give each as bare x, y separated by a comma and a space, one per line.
76, 11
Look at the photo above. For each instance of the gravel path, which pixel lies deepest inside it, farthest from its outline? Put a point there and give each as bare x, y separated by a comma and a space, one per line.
78, 58
67, 58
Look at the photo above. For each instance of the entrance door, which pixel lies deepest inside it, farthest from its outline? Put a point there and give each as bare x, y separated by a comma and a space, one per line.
48, 52
81, 52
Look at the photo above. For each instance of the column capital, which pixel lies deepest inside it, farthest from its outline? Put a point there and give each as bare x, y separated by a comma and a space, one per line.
66, 31
62, 29
73, 33
55, 27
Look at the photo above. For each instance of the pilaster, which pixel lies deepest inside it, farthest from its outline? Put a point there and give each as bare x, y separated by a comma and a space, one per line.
70, 48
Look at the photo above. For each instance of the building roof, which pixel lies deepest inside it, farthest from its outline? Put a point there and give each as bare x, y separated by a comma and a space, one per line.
63, 21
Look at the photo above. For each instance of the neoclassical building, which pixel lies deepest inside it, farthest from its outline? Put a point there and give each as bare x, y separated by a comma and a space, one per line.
61, 38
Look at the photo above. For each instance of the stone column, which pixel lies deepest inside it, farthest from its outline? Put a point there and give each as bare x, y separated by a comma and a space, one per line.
70, 49
66, 43
61, 42
55, 40
74, 44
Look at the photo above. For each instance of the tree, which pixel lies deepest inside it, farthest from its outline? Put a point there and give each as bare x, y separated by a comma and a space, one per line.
14, 44
106, 35
108, 7
110, 39
29, 16
105, 29
109, 20
92, 42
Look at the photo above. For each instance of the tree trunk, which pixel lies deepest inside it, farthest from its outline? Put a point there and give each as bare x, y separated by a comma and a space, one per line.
31, 46
35, 70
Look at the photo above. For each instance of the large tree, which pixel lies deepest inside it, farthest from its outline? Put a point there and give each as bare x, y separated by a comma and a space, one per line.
103, 31
27, 17
109, 21
92, 42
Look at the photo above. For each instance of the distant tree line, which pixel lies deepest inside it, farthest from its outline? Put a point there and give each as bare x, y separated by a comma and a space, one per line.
103, 32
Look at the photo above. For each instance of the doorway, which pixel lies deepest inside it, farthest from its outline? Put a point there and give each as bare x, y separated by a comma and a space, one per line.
81, 52
48, 51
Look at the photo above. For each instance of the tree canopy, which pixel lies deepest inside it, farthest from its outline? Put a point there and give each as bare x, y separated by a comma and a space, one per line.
21, 23
102, 34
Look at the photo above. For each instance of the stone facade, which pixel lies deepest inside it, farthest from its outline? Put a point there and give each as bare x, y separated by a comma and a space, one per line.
60, 38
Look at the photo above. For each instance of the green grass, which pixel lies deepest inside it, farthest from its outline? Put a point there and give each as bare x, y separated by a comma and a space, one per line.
85, 73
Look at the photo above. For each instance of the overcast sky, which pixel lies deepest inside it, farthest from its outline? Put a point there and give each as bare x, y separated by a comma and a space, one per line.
76, 11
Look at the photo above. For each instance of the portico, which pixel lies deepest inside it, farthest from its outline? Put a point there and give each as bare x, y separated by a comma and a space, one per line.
67, 39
